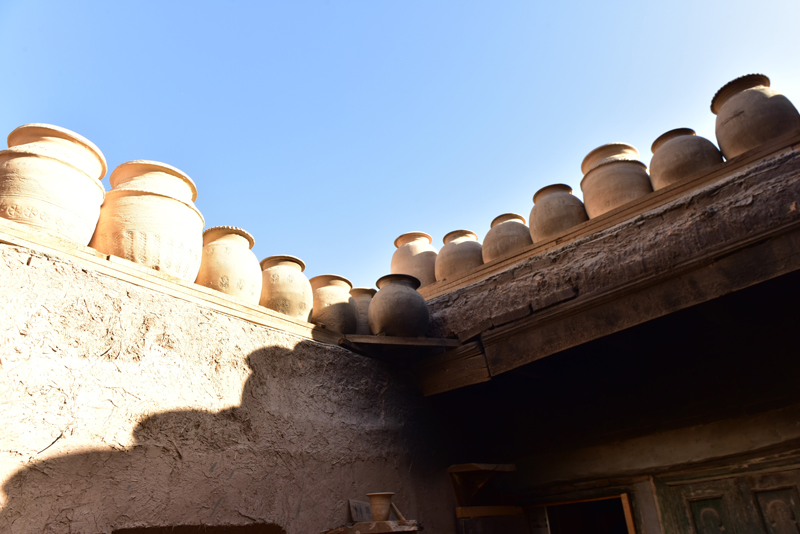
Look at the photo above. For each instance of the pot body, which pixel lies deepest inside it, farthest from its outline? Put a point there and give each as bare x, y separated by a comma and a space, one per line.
555, 211
50, 180
285, 288
363, 298
460, 254
333, 305
150, 228
508, 235
380, 505
398, 309
228, 265
613, 176
415, 256
681, 155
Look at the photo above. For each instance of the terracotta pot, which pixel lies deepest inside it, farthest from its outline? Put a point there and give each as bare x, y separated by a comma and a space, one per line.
380, 505
415, 256
228, 265
613, 176
398, 309
50, 180
555, 210
460, 254
157, 224
679, 154
508, 235
363, 297
285, 288
333, 305
749, 114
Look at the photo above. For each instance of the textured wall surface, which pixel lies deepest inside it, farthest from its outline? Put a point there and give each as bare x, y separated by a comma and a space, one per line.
123, 407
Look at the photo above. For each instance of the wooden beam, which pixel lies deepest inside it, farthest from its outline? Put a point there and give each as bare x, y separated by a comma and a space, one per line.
454, 369
402, 341
487, 511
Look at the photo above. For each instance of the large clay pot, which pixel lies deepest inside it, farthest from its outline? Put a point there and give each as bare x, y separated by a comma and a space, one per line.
507, 235
285, 288
555, 210
679, 154
749, 114
415, 256
363, 297
50, 180
460, 254
398, 309
149, 218
228, 265
380, 505
613, 176
333, 305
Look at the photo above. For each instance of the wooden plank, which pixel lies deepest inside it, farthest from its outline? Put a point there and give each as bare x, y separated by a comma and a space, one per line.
626, 509
403, 341
487, 511
455, 368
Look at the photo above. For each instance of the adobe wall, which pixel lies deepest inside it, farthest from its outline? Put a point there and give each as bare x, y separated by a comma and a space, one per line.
124, 407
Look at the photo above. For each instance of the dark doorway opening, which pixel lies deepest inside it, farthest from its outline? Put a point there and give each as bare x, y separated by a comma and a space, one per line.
598, 517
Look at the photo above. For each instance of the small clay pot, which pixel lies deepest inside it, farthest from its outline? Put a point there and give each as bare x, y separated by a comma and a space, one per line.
749, 114
149, 218
613, 176
555, 210
285, 288
460, 254
398, 309
415, 256
680, 153
333, 306
507, 236
380, 504
228, 264
50, 180
363, 297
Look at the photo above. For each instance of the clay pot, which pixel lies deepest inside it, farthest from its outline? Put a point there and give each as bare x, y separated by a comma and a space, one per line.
508, 235
228, 265
555, 210
149, 218
398, 309
333, 305
679, 154
380, 504
415, 256
613, 176
50, 180
460, 254
749, 114
363, 297
285, 288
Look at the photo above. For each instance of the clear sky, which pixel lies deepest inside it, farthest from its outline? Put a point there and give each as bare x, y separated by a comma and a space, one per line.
328, 128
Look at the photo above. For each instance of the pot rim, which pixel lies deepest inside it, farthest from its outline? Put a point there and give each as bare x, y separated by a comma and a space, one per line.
233, 230
321, 278
169, 169
462, 232
413, 234
22, 153
282, 257
507, 217
603, 163
731, 88
670, 134
407, 277
363, 291
563, 187
141, 192
588, 156
65, 134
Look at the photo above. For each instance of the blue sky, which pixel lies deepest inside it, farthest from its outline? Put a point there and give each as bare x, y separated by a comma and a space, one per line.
328, 128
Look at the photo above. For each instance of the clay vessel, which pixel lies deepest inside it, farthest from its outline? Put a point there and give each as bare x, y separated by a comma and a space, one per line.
679, 154
749, 114
149, 218
380, 504
613, 176
363, 297
333, 306
285, 288
398, 309
555, 210
228, 265
508, 235
415, 256
460, 254
50, 180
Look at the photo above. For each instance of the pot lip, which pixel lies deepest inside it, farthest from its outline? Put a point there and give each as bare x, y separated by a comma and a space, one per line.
562, 187
415, 283
21, 152
607, 162
507, 217
169, 169
282, 257
413, 234
321, 278
670, 134
462, 232
65, 133
727, 90
233, 230
619, 144
124, 192
380, 493
363, 291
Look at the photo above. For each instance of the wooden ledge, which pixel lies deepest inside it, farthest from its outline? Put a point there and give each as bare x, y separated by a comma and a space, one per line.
402, 341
